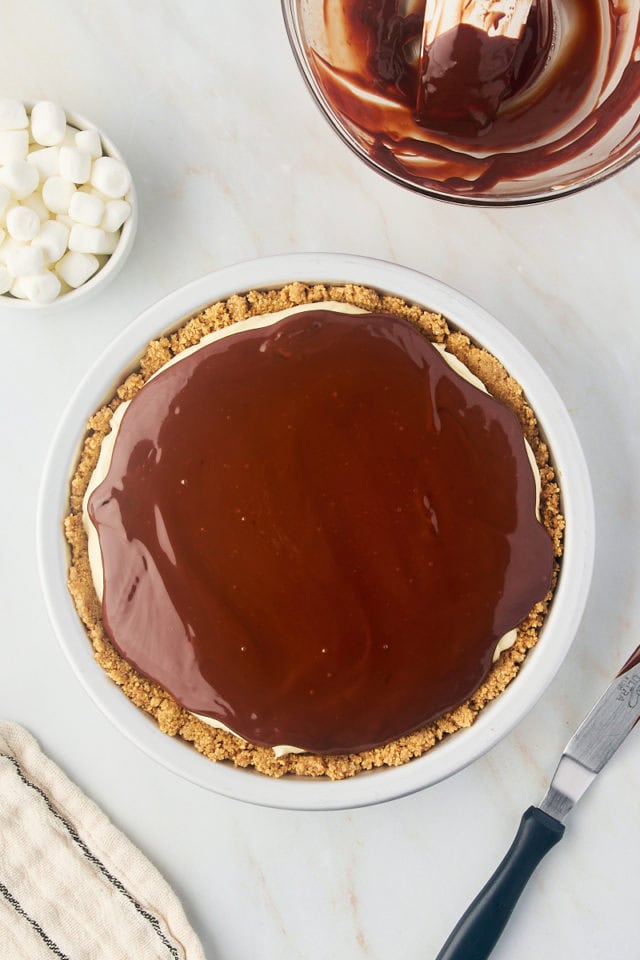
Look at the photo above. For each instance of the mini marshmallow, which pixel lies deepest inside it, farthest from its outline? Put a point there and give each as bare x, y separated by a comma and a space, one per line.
41, 288
109, 243
22, 223
22, 261
19, 177
35, 202
67, 221
89, 188
69, 139
52, 240
5, 199
13, 115
76, 268
89, 140
75, 165
14, 145
84, 239
110, 177
17, 289
87, 209
5, 279
48, 123
91, 240
57, 194
46, 160
115, 214
6, 247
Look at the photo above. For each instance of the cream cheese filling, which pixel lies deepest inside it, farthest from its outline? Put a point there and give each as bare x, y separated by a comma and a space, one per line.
264, 320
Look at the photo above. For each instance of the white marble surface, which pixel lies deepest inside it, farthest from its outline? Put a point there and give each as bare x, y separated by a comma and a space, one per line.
232, 160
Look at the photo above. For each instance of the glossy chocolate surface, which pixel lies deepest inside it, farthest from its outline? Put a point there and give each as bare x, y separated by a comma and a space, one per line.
466, 74
483, 111
316, 532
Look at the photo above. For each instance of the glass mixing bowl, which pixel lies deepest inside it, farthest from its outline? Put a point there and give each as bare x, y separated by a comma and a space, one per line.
599, 137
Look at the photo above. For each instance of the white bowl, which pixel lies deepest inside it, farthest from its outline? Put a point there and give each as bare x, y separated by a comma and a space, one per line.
116, 261
500, 716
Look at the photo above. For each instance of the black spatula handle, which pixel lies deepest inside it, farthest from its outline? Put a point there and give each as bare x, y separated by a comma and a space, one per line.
479, 929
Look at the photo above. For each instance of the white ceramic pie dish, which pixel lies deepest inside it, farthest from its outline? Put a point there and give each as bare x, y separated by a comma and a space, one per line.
500, 716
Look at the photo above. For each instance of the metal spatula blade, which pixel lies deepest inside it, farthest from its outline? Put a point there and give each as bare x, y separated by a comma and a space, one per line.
589, 750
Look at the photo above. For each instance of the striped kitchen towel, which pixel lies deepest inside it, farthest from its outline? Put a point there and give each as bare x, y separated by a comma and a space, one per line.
71, 885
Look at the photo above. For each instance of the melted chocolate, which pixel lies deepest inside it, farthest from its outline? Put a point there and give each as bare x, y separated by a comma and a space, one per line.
486, 110
466, 74
633, 661
316, 532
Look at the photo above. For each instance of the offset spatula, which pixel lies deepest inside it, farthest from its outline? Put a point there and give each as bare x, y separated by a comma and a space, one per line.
595, 742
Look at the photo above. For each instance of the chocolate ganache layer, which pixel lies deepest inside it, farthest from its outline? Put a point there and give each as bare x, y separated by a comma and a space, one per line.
316, 532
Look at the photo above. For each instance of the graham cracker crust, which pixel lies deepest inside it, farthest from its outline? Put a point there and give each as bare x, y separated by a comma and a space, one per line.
172, 719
